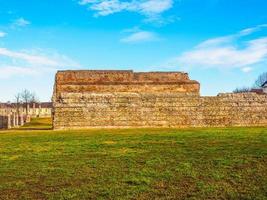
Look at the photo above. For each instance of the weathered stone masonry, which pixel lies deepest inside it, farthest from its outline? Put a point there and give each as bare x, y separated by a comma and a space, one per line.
86, 99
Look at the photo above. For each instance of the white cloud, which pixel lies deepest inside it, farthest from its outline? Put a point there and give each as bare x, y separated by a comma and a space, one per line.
226, 52
140, 36
32, 59
37, 58
21, 22
9, 71
31, 62
2, 34
247, 69
249, 31
152, 9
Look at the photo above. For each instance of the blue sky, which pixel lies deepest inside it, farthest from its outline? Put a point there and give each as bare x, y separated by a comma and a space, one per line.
221, 43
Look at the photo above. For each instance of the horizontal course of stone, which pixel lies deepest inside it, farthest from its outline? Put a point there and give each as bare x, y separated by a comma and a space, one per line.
93, 98
123, 81
122, 76
158, 109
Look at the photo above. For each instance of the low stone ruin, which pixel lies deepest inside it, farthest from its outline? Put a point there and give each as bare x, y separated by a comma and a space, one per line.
90, 98
12, 120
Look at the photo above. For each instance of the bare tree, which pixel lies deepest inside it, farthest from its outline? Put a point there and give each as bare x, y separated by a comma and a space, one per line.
34, 101
18, 101
26, 97
242, 90
34, 98
261, 80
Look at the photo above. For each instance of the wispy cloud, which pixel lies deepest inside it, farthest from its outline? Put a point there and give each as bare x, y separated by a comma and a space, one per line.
21, 22
10, 71
138, 36
230, 51
32, 59
152, 9
2, 34
27, 62
247, 69
31, 62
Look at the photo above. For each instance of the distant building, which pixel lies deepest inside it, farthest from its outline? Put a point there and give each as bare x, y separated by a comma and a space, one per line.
42, 109
264, 87
262, 90
258, 91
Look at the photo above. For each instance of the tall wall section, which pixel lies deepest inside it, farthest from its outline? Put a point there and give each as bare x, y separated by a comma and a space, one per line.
150, 101
97, 81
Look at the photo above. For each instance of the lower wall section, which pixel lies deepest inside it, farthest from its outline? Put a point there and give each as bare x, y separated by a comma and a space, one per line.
76, 110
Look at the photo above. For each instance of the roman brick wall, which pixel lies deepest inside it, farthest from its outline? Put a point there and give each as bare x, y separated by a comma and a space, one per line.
159, 103
121, 76
159, 110
122, 81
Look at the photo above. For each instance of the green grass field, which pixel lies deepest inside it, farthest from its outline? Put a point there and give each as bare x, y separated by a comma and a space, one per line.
221, 163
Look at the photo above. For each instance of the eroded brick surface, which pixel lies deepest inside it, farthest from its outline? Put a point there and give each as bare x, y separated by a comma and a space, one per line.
85, 99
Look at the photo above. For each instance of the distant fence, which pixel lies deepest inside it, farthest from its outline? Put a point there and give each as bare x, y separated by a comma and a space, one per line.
12, 121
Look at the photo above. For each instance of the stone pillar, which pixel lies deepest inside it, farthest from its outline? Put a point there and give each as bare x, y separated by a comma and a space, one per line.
33, 110
21, 120
28, 118
40, 110
16, 120
28, 109
8, 121
13, 120
1, 122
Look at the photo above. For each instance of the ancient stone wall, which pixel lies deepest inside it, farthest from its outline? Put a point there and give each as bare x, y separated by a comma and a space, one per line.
122, 81
153, 107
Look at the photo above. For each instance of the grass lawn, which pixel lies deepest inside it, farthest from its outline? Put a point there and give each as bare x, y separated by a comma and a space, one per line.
214, 163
